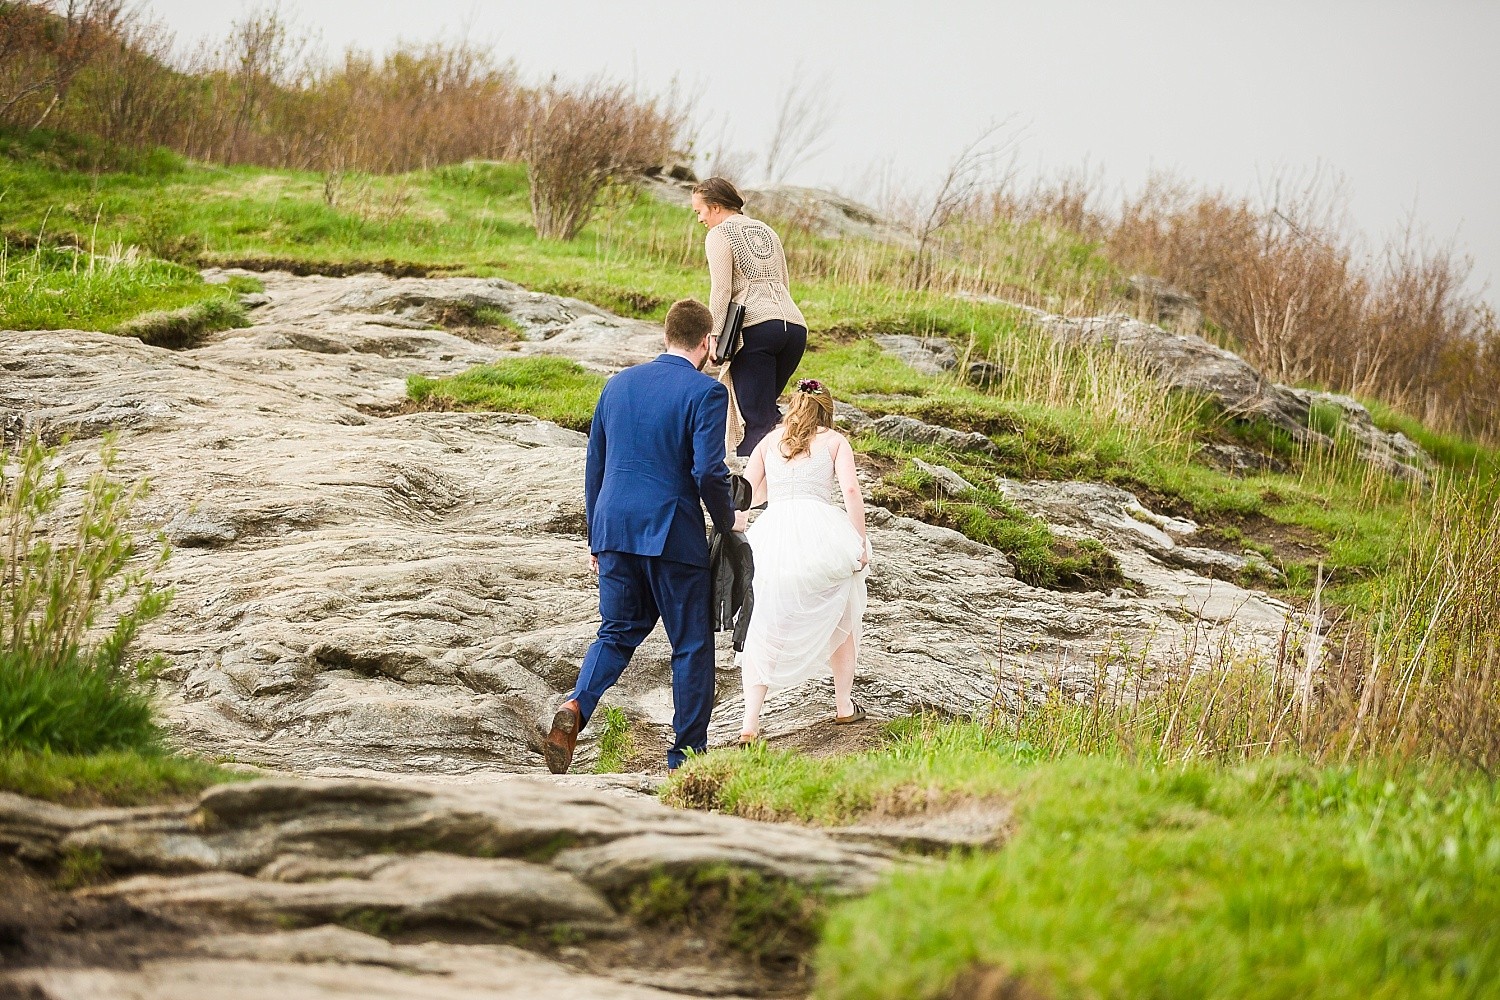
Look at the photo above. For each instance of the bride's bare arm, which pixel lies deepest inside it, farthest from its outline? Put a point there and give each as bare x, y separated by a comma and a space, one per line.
854, 501
755, 473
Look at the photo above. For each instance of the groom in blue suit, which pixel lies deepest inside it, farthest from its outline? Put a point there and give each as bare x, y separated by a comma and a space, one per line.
656, 448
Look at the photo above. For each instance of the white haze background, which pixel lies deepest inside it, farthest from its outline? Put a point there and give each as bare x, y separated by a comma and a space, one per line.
1399, 100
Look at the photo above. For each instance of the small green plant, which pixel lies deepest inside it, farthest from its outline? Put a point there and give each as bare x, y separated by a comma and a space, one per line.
662, 899
616, 743
65, 685
565, 936
372, 921
80, 867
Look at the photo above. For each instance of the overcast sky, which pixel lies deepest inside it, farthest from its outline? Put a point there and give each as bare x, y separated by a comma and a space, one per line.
1401, 100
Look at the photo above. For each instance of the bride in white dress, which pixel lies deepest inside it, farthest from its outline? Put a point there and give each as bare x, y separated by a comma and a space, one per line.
811, 559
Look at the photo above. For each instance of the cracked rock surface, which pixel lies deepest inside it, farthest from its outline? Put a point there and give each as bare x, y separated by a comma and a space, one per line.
265, 883
359, 592
388, 603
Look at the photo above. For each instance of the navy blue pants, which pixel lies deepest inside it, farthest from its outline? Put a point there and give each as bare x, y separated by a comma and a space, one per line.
634, 592
768, 355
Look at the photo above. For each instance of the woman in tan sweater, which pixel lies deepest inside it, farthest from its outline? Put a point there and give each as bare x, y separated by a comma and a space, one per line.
746, 264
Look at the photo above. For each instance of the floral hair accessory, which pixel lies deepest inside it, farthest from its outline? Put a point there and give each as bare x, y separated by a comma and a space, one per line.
811, 386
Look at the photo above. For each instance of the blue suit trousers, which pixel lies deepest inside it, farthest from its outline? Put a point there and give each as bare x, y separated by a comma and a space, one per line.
634, 593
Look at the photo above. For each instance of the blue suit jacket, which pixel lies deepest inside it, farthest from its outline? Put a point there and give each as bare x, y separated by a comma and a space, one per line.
656, 447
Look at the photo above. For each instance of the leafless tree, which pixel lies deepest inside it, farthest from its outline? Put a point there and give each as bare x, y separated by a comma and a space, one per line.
802, 125
968, 174
722, 160
262, 54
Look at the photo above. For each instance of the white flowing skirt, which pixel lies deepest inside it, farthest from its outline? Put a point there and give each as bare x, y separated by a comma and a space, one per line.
809, 591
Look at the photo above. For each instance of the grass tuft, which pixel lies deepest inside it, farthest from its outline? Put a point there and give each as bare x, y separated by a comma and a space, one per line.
73, 705
57, 288
1041, 558
616, 742
80, 867
183, 328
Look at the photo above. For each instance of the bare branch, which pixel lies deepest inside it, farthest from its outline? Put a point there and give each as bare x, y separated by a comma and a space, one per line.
969, 172
802, 123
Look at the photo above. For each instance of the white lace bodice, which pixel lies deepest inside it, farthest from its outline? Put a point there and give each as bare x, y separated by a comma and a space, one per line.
807, 476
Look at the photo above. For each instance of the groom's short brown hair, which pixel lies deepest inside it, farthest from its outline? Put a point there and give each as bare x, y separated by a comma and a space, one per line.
688, 322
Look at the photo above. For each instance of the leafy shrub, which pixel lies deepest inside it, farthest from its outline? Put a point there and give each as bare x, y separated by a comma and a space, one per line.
66, 681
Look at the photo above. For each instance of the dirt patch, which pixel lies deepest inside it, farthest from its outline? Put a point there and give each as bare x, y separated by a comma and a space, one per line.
1227, 532
475, 324
837, 337
649, 745
988, 982
41, 925
825, 739
432, 404
637, 305
719, 931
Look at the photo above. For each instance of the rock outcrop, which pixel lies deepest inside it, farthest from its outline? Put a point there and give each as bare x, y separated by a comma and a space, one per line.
363, 588
1188, 363
461, 872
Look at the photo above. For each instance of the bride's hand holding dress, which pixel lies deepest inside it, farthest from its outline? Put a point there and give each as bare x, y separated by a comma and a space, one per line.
811, 560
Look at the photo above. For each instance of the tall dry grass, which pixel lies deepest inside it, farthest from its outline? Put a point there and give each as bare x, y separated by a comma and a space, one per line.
1418, 681
1287, 281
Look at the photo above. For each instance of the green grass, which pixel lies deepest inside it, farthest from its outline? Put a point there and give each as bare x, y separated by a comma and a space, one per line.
116, 778
1269, 879
984, 514
550, 388
74, 705
53, 289
616, 743
81, 867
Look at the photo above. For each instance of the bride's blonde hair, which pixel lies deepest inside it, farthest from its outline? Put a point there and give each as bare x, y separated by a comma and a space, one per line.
810, 408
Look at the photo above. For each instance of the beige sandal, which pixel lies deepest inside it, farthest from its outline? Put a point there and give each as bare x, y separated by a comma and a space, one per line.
749, 739
858, 715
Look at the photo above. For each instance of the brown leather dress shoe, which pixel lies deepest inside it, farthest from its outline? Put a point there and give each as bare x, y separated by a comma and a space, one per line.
559, 744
